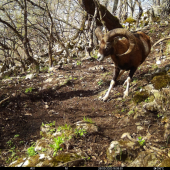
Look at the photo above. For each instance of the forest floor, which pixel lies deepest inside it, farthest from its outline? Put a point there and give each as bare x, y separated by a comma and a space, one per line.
78, 97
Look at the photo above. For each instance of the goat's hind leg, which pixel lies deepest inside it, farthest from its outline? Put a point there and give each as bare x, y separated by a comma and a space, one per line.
126, 92
112, 83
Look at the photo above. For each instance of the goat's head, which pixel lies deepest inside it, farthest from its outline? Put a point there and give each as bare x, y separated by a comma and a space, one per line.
107, 42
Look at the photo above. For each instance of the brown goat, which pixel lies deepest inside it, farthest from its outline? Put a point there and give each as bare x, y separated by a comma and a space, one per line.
127, 54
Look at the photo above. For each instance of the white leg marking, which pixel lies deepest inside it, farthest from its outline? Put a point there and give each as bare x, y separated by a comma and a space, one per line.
126, 92
112, 83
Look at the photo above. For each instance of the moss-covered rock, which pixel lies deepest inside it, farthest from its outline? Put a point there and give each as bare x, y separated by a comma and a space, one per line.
140, 96
152, 106
123, 150
130, 20
165, 163
145, 159
144, 23
160, 81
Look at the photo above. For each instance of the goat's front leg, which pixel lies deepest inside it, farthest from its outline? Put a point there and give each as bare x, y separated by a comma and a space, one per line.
126, 92
112, 83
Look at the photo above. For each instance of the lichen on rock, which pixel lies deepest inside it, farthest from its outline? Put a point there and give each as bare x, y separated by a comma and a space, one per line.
140, 96
160, 81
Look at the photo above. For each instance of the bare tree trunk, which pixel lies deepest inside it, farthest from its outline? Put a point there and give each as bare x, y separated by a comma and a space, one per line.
58, 39
120, 9
106, 2
166, 8
90, 47
132, 6
110, 21
115, 6
50, 46
125, 12
140, 12
26, 41
158, 2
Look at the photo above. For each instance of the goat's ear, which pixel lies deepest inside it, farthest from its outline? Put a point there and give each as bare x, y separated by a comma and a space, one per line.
99, 34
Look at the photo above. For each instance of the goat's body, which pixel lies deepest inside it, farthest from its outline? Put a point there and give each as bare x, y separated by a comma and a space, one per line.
127, 61
134, 59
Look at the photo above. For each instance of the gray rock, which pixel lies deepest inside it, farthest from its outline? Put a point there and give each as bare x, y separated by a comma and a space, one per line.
145, 159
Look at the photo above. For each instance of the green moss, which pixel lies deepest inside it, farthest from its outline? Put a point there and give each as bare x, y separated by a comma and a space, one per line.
140, 96
33, 161
121, 142
160, 81
156, 19
144, 23
20, 160
43, 134
151, 98
130, 20
43, 144
64, 157
162, 72
165, 163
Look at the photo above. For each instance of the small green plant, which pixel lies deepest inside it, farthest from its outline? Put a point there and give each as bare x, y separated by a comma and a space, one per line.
151, 31
80, 132
21, 142
115, 148
130, 112
123, 100
31, 151
78, 63
123, 110
56, 146
52, 130
141, 142
147, 100
100, 82
44, 69
43, 124
6, 77
44, 149
51, 124
65, 127
59, 129
159, 115
28, 90
12, 150
17, 135
134, 80
87, 120
95, 56
9, 142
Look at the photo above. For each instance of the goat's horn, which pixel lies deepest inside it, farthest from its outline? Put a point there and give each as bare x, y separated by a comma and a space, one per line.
121, 32
99, 33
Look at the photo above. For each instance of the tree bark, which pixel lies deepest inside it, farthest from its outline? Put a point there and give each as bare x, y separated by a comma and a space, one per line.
140, 12
158, 2
115, 6
26, 44
111, 22
166, 7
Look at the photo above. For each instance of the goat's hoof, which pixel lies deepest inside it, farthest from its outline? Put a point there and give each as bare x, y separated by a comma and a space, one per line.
125, 95
102, 98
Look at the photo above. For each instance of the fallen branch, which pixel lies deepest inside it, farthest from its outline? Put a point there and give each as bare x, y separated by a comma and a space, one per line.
4, 100
161, 40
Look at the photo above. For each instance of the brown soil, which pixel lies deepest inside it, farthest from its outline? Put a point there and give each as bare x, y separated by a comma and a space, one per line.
24, 113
